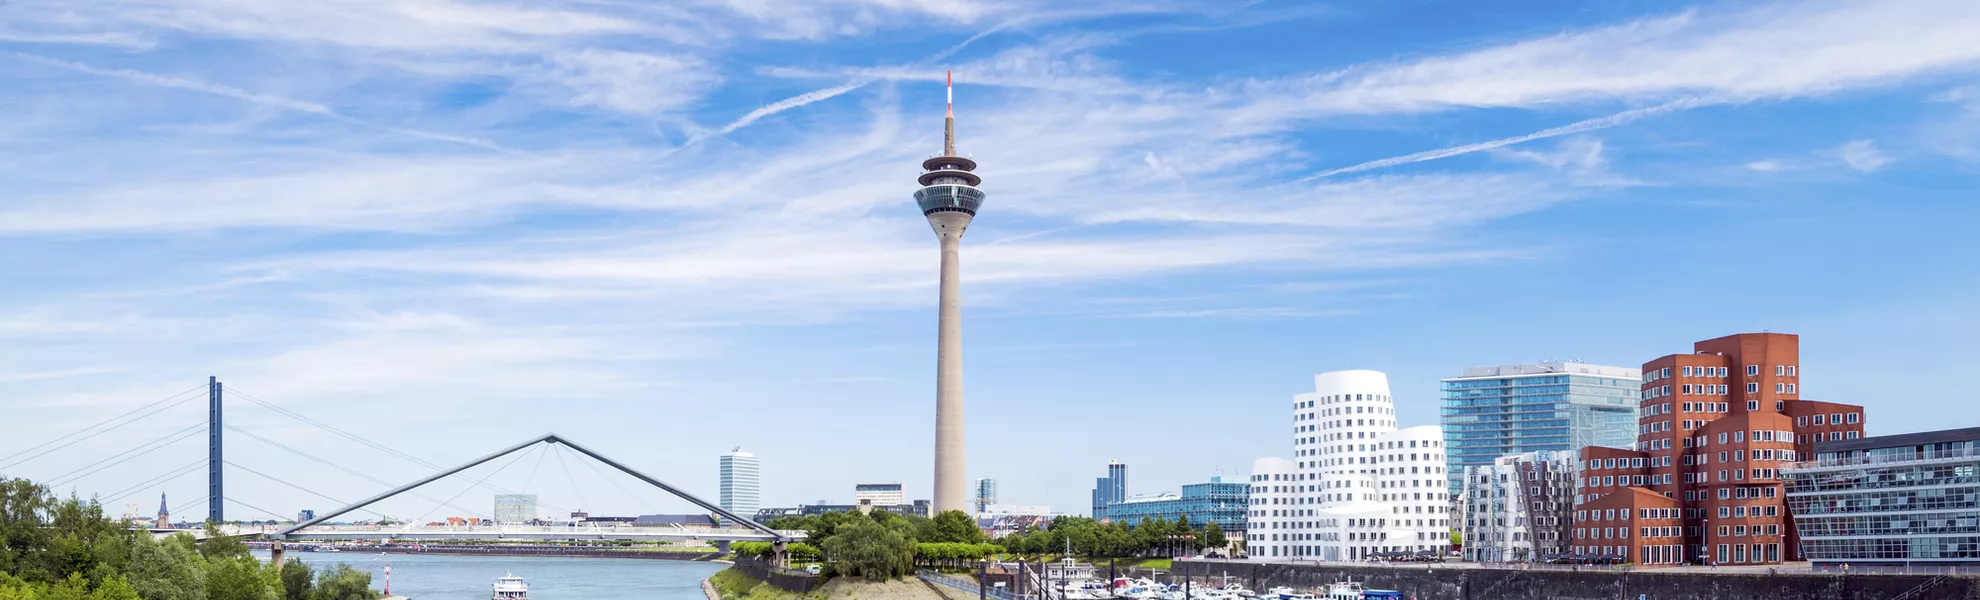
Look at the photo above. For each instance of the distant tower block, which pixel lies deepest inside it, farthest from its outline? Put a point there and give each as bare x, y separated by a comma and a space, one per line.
949, 199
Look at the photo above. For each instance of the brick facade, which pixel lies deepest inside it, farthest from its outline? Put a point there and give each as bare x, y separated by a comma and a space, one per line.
1714, 428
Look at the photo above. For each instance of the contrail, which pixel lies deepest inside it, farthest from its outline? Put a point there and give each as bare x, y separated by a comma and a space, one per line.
250, 97
834, 91
1578, 127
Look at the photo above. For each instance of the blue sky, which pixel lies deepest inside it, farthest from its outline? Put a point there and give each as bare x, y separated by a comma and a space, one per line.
666, 229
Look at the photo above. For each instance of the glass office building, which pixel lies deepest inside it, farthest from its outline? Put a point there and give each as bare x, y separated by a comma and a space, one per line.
1897, 499
1110, 489
1213, 501
1491, 412
741, 482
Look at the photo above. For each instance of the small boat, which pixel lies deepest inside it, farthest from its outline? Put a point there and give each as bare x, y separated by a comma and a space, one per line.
1281, 592
510, 587
1344, 590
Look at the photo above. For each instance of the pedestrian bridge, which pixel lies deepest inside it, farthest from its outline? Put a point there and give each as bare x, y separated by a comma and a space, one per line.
545, 532
742, 529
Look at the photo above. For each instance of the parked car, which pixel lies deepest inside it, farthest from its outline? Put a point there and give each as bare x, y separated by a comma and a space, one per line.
814, 569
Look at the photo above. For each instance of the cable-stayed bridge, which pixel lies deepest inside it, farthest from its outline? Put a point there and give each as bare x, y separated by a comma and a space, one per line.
723, 526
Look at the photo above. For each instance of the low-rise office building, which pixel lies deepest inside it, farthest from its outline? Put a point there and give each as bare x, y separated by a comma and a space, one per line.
1215, 501
1519, 507
1896, 499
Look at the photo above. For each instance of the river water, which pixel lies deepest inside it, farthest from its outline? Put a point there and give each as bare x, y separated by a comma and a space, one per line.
433, 577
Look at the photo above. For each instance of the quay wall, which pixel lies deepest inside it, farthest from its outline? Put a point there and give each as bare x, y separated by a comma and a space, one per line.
1434, 583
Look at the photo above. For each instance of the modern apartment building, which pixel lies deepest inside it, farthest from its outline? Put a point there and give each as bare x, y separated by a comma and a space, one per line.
986, 494
1519, 508
1110, 489
1357, 486
1912, 499
515, 508
879, 494
741, 482
1216, 501
1703, 484
1490, 412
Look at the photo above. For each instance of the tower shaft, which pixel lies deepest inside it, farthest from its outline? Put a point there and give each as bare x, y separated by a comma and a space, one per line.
951, 471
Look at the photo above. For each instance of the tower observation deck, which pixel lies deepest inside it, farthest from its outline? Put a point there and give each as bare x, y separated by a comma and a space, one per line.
949, 199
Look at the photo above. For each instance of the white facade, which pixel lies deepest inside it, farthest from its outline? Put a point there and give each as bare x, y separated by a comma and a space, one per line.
741, 483
879, 494
1356, 485
515, 508
1518, 508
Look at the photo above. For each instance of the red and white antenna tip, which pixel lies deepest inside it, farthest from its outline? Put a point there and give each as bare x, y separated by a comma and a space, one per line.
952, 92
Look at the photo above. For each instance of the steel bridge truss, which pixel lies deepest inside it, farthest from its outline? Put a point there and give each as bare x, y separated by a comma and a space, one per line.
758, 531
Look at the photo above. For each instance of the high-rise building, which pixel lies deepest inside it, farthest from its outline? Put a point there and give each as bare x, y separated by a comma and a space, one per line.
1892, 499
986, 494
1357, 486
949, 199
1490, 412
1216, 501
304, 515
741, 482
1518, 508
879, 494
1703, 484
515, 508
1110, 489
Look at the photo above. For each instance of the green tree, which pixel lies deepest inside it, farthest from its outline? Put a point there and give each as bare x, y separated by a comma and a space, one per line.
955, 526
167, 569
217, 546
24, 507
297, 580
344, 583
867, 549
1213, 536
240, 578
72, 588
114, 588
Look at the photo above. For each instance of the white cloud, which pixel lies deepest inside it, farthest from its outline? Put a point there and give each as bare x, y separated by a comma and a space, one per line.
1779, 50
1765, 166
1863, 156
634, 82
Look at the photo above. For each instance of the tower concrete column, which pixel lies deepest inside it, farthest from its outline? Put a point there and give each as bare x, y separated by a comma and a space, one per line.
951, 470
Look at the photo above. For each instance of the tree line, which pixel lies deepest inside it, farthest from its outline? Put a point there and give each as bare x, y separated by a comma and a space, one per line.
883, 545
66, 549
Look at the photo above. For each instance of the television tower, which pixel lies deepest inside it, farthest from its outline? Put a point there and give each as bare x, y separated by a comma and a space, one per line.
949, 198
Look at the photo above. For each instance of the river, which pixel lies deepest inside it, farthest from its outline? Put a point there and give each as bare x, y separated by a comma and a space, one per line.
433, 577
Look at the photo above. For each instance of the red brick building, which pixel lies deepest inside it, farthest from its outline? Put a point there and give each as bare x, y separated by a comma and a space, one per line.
1714, 427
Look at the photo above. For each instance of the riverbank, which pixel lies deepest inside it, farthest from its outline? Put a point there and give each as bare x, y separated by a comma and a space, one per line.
733, 584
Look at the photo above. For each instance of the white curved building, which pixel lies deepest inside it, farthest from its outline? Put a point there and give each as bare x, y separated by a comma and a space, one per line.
1356, 485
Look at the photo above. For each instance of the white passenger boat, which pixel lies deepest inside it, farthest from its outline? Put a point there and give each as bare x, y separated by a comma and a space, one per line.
511, 587
1346, 590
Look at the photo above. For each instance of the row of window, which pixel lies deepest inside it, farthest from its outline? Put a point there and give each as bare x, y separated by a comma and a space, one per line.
1828, 419
1339, 398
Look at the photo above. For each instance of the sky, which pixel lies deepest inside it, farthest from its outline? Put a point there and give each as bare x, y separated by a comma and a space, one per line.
668, 229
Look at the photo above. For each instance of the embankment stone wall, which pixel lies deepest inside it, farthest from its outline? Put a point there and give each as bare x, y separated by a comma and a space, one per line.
1433, 583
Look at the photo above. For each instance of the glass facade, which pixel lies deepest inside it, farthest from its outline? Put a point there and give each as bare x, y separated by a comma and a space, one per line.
1216, 500
1918, 502
1498, 411
1110, 489
741, 481
956, 197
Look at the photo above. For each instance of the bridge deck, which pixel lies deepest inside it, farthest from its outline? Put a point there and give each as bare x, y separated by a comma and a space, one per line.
543, 533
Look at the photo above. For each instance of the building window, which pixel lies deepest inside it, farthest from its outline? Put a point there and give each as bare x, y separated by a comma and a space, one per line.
1752, 387
1790, 388
1821, 419
1752, 370
1853, 418
1850, 435
1780, 370
1752, 405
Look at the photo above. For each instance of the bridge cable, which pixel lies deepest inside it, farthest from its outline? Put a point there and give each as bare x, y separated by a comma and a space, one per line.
339, 467
532, 470
614, 484
145, 448
181, 509
310, 491
327, 427
504, 467
98, 432
120, 495
356, 438
570, 478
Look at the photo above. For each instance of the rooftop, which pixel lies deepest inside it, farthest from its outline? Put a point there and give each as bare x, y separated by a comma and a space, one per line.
1551, 368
